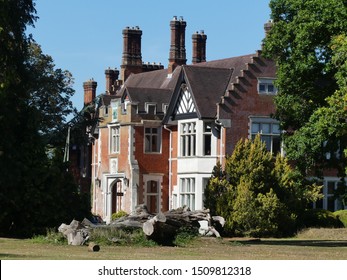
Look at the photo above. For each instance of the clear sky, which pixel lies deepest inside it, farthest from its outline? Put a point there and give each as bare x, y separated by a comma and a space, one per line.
85, 36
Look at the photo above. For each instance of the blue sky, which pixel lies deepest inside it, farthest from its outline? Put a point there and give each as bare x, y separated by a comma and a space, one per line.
85, 36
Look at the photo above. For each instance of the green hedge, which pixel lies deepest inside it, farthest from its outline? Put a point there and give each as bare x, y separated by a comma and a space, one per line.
320, 218
342, 216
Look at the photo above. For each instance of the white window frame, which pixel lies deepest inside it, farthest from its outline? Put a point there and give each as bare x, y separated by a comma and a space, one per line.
272, 132
187, 192
267, 83
207, 137
149, 106
114, 139
188, 139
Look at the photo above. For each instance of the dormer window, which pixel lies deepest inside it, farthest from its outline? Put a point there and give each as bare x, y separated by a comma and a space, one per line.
151, 108
124, 104
165, 107
106, 110
266, 86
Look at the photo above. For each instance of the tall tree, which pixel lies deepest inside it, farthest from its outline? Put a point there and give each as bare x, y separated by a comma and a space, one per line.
34, 103
300, 41
50, 91
17, 120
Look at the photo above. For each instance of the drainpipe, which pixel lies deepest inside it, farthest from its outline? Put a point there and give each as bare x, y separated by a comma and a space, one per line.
170, 167
217, 122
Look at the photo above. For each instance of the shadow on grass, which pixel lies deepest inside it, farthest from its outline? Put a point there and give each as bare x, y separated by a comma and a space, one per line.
305, 243
11, 256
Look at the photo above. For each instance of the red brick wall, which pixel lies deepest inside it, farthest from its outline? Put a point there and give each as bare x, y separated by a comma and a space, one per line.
153, 163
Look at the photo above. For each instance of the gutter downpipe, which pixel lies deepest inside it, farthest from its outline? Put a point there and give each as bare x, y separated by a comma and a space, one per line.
221, 154
170, 167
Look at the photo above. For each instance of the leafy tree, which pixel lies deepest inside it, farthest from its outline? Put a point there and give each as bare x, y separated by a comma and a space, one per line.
35, 189
259, 195
303, 43
50, 91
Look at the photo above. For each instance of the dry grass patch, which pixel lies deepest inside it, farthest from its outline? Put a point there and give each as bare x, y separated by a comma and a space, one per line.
323, 234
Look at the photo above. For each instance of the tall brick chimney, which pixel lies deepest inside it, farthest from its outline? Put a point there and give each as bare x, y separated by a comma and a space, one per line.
131, 58
177, 48
111, 80
89, 91
199, 47
267, 27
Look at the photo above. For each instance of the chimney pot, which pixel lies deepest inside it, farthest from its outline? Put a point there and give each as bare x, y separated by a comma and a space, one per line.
177, 47
199, 47
89, 91
131, 58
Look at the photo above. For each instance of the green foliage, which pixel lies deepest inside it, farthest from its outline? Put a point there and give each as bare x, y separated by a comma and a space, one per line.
185, 236
120, 237
118, 215
217, 186
320, 218
36, 190
299, 41
51, 237
260, 195
50, 92
308, 43
342, 216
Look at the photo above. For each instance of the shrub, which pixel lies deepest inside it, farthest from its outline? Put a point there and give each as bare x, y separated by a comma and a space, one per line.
319, 218
118, 215
115, 236
342, 216
51, 237
258, 194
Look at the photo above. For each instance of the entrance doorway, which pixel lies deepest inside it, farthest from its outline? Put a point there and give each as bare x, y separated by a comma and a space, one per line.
117, 196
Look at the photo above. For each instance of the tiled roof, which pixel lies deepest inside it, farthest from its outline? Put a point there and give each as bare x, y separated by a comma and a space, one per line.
207, 84
141, 96
242, 63
208, 81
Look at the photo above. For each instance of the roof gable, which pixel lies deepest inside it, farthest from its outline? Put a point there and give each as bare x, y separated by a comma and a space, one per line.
197, 92
185, 102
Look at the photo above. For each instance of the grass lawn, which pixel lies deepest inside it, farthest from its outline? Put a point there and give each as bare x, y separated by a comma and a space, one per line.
313, 244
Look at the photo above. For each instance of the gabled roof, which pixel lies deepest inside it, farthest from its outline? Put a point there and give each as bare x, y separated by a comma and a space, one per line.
206, 85
149, 87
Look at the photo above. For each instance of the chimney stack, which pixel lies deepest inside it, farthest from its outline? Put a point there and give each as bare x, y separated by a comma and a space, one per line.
177, 48
89, 91
131, 58
199, 47
111, 80
267, 29
268, 26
